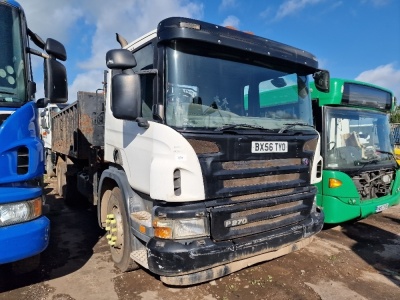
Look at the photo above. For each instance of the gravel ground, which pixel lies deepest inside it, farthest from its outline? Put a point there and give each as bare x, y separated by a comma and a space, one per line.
359, 260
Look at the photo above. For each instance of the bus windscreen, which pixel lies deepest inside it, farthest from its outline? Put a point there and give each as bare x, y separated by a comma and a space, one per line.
357, 94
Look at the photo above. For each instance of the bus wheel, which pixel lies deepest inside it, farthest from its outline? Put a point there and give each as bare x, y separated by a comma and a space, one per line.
118, 235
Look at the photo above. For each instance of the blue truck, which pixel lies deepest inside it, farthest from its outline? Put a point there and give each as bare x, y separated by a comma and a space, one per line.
24, 230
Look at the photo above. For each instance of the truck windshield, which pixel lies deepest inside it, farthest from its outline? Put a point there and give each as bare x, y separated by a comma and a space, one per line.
356, 138
209, 90
12, 74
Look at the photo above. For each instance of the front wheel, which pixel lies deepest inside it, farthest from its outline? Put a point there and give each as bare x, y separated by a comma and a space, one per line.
118, 234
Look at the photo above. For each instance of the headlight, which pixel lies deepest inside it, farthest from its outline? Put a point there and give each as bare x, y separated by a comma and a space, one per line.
180, 228
334, 183
13, 213
310, 145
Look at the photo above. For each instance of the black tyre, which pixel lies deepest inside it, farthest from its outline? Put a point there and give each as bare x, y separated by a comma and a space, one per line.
67, 185
118, 235
71, 194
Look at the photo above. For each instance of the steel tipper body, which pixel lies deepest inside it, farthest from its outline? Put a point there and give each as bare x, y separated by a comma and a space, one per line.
205, 167
24, 230
360, 174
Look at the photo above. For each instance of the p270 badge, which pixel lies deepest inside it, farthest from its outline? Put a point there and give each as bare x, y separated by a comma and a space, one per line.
235, 222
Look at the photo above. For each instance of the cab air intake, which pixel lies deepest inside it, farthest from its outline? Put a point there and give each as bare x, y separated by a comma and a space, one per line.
22, 160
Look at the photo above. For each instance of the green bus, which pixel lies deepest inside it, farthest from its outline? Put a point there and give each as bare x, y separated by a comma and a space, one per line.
360, 173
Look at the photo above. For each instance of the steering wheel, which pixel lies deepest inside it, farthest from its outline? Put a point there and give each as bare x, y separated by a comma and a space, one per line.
334, 145
211, 109
183, 97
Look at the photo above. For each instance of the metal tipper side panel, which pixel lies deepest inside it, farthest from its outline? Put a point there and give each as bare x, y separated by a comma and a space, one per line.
79, 126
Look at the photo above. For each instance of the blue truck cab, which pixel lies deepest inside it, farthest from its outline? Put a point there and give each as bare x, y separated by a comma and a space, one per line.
24, 230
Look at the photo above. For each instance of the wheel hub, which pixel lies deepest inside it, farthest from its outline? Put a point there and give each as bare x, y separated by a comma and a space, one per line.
114, 230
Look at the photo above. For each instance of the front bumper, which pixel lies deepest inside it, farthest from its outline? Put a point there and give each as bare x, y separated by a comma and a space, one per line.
204, 260
336, 210
24, 240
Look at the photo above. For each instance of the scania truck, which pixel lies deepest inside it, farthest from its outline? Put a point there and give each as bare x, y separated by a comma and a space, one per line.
197, 167
24, 230
45, 133
361, 176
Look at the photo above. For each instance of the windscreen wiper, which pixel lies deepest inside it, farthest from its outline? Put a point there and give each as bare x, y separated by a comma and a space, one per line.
6, 92
362, 163
387, 152
231, 126
365, 162
290, 125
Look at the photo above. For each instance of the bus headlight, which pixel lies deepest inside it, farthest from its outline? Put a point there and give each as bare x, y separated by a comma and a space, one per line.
18, 212
180, 228
334, 183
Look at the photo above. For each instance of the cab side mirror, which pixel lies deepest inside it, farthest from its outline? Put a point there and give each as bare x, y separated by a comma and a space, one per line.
44, 124
55, 49
55, 74
126, 103
321, 80
42, 103
120, 59
55, 81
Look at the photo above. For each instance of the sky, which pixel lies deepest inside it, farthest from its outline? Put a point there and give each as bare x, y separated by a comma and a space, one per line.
353, 39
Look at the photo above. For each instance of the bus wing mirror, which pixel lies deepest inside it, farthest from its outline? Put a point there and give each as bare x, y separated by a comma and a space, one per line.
321, 80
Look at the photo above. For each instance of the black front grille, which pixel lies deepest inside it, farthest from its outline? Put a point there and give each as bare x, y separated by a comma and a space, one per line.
261, 175
244, 218
230, 168
374, 184
3, 118
249, 193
